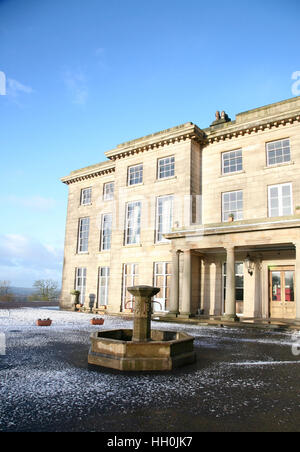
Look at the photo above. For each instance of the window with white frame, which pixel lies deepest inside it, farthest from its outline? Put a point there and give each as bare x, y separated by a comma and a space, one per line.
135, 175
86, 196
133, 223
164, 217
166, 167
280, 200
232, 204
108, 191
278, 152
130, 279
83, 235
103, 285
80, 283
162, 279
106, 231
232, 161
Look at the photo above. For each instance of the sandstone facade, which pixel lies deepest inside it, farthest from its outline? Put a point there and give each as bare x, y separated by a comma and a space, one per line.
169, 222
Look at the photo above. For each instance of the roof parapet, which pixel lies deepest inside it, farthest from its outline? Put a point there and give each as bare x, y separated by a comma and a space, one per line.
262, 118
156, 140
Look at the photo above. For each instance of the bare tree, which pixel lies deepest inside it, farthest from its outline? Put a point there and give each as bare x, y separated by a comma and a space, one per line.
5, 294
46, 289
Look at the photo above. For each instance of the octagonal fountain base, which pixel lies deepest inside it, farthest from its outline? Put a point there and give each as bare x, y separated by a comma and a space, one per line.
141, 349
164, 351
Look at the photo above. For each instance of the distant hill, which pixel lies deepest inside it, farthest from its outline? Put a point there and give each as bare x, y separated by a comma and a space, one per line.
22, 294
21, 291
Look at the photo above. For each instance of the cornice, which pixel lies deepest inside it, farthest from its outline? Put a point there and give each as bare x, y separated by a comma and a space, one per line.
89, 173
188, 131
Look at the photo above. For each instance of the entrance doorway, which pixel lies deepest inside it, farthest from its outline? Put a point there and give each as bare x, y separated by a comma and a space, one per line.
282, 292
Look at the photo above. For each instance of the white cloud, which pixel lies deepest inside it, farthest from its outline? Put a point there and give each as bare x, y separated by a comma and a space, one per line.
18, 249
76, 85
24, 259
14, 88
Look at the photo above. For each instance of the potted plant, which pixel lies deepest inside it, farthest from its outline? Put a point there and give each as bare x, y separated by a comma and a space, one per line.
231, 217
75, 294
44, 322
297, 210
97, 321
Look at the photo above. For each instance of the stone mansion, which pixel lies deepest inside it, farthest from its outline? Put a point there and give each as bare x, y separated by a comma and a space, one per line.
210, 216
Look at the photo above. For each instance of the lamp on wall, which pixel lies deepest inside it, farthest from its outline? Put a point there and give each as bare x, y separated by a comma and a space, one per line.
249, 264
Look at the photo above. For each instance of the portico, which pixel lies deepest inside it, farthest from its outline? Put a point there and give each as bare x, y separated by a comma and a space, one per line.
231, 271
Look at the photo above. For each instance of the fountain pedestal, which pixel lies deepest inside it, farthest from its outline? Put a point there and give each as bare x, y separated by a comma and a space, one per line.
142, 312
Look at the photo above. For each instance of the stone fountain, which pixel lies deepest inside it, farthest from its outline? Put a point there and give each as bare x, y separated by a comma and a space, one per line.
141, 349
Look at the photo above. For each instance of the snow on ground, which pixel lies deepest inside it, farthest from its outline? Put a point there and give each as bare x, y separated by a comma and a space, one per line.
44, 376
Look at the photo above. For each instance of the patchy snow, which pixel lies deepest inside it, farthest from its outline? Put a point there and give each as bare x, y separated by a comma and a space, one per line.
45, 379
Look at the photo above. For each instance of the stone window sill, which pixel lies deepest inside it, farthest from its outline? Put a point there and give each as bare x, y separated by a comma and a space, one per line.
166, 179
85, 205
236, 173
134, 185
279, 165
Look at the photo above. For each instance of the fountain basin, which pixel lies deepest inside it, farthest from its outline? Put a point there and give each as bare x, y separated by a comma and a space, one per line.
164, 350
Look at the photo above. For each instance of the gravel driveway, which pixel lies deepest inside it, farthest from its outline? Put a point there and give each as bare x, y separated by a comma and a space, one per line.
243, 380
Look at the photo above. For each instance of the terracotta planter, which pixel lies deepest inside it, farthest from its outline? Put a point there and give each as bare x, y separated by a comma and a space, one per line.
44, 322
230, 219
95, 321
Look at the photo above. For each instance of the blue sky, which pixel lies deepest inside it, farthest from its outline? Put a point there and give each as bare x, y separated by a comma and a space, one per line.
85, 75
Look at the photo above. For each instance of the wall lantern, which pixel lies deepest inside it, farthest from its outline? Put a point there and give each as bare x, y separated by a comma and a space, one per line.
249, 264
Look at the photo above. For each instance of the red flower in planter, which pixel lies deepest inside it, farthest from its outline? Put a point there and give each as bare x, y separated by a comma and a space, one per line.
44, 322
96, 321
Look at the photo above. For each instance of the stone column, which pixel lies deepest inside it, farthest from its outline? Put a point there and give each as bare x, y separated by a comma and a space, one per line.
258, 288
230, 301
186, 285
206, 282
174, 295
218, 298
297, 280
142, 312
